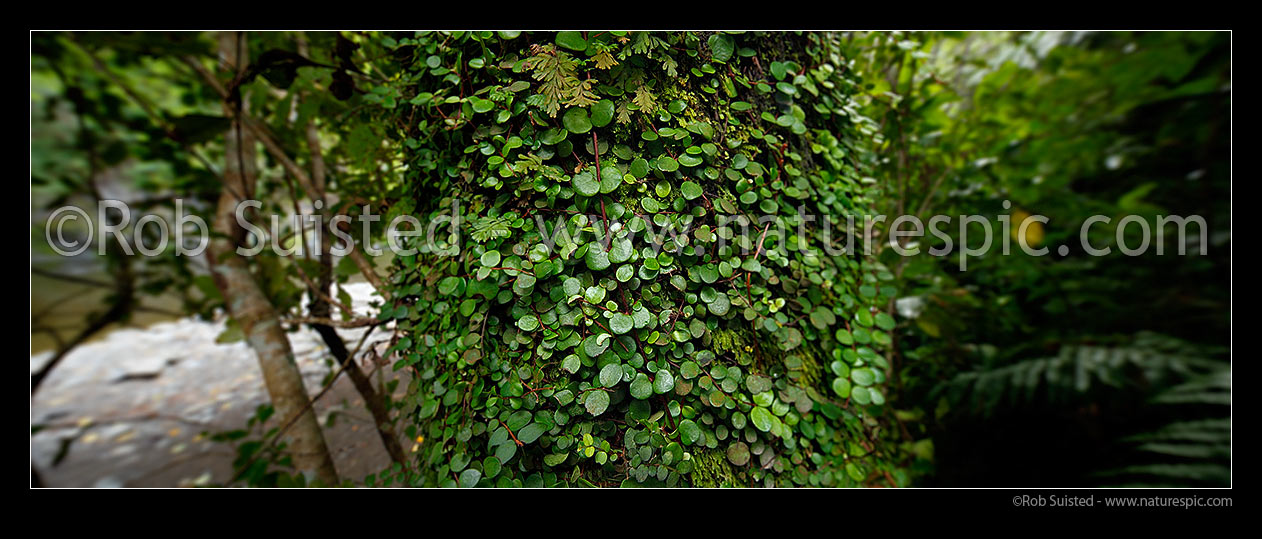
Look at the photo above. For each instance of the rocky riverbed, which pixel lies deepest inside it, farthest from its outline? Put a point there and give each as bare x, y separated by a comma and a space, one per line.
134, 408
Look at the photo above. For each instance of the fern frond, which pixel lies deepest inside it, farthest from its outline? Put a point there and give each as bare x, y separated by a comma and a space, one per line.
1214, 388
1204, 430
645, 100
582, 95
1175, 473
1150, 360
488, 228
1192, 451
557, 73
1196, 450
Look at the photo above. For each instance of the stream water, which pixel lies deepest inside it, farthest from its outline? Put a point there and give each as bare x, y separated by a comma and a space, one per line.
132, 407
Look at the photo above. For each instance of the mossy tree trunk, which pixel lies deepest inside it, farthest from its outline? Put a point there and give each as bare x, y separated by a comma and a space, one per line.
642, 289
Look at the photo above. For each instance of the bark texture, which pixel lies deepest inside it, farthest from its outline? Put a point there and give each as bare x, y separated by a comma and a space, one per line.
247, 303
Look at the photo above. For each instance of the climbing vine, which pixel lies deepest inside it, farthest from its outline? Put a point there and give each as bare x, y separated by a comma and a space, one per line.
626, 290
629, 265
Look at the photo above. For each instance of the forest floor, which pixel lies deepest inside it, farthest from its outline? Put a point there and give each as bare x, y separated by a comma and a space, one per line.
136, 408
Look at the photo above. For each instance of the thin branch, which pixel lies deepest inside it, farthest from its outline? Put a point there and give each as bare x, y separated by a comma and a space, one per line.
304, 180
345, 324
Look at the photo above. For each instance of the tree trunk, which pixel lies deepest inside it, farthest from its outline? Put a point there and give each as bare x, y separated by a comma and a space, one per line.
247, 303
673, 189
320, 308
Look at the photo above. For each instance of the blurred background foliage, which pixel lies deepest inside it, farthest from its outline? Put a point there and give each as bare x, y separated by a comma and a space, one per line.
1063, 369
1057, 370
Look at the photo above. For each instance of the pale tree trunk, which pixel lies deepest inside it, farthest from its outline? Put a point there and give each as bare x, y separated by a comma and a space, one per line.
247, 303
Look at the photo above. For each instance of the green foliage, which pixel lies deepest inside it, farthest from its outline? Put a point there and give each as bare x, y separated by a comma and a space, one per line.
261, 459
1189, 383
607, 308
618, 315
1077, 372
558, 80
1058, 359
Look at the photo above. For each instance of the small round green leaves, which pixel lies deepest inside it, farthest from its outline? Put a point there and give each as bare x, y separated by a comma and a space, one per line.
688, 160
597, 258
709, 294
691, 190
864, 318
448, 285
470, 477
576, 121
585, 184
663, 382
757, 384
571, 364
841, 387
594, 294
529, 322
689, 432
624, 273
721, 304
602, 113
738, 453
530, 433
621, 323
761, 418
595, 345
640, 168
863, 377
596, 403
641, 388
611, 375
844, 337
572, 40
721, 47
491, 467
481, 105
620, 250
594, 342
553, 136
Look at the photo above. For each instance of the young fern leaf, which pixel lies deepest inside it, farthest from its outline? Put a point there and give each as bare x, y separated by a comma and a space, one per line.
558, 74
488, 228
583, 95
645, 100
604, 59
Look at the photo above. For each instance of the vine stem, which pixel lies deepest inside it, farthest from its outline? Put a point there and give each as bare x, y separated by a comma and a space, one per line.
510, 433
760, 240
603, 217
